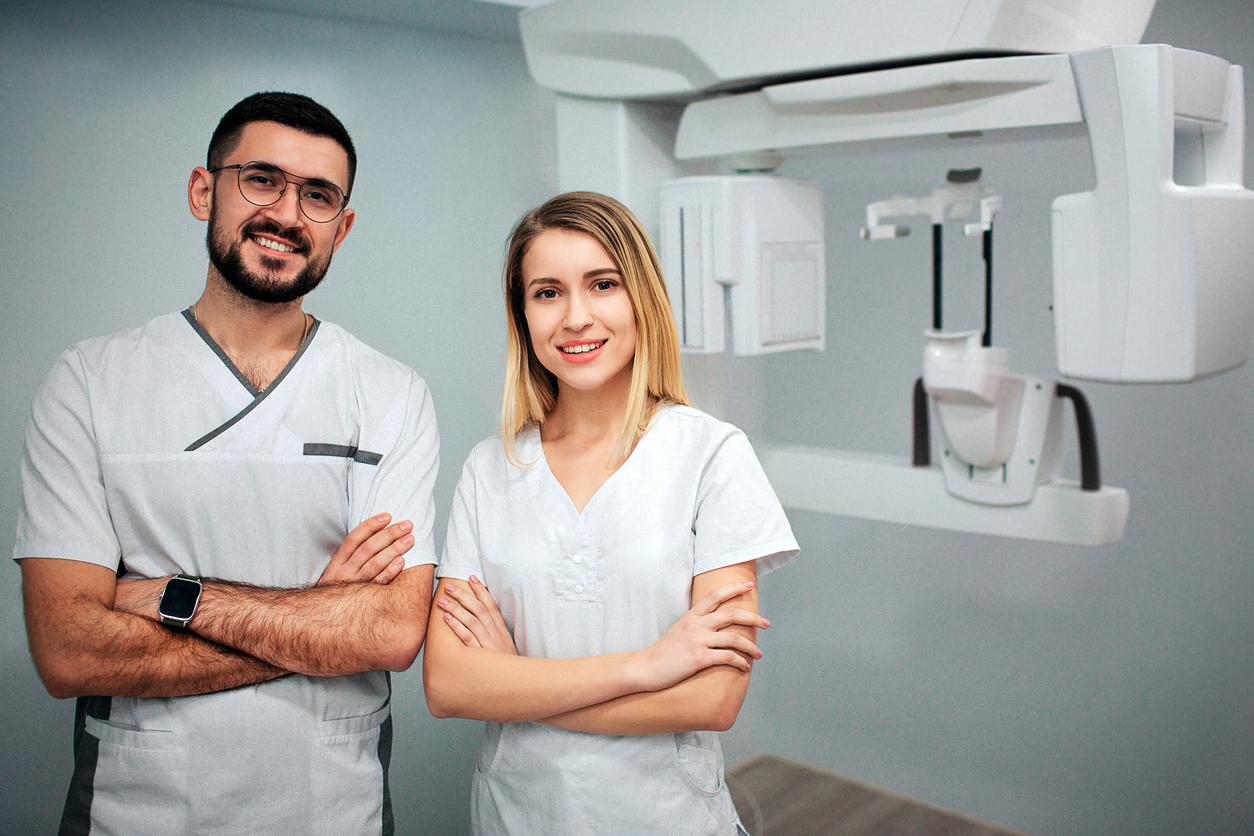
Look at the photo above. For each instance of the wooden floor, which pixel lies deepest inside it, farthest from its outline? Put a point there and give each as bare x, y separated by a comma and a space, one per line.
779, 797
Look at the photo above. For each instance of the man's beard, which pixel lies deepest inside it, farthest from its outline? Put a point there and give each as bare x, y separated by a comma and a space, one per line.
267, 287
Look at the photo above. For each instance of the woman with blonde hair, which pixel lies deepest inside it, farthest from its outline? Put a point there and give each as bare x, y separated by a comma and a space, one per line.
621, 533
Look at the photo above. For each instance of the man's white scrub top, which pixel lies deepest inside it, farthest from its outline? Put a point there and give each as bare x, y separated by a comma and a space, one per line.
150, 453
691, 497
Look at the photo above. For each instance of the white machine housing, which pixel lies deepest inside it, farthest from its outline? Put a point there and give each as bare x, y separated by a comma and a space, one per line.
660, 49
971, 202
762, 237
1002, 431
1152, 268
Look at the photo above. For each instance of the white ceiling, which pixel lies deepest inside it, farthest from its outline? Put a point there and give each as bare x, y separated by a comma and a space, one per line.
494, 19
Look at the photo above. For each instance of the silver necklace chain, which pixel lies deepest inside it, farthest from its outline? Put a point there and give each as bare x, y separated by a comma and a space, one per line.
304, 334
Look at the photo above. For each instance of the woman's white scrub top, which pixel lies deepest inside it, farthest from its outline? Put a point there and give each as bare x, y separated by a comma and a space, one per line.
150, 451
691, 497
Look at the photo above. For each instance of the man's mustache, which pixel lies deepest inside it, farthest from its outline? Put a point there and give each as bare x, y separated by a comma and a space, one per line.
293, 237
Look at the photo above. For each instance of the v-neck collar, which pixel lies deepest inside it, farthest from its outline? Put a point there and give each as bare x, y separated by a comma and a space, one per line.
239, 375
258, 395
547, 472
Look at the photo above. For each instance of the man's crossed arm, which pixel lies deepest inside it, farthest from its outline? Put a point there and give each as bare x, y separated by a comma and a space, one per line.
91, 633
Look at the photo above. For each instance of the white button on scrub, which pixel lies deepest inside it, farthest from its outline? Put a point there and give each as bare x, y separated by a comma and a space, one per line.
578, 558
578, 588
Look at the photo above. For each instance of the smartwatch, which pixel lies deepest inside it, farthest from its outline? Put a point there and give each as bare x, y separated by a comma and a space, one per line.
178, 602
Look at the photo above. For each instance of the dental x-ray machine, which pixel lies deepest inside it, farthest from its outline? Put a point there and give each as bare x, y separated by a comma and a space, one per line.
1151, 268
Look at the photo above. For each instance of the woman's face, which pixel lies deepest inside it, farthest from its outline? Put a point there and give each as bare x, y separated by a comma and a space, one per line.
582, 325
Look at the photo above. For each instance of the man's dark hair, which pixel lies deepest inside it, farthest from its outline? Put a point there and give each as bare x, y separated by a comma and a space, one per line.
290, 109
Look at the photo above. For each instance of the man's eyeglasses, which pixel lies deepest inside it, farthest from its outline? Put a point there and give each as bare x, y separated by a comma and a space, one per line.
263, 184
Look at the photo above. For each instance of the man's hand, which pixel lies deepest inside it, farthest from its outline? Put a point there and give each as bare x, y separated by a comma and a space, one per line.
373, 551
471, 612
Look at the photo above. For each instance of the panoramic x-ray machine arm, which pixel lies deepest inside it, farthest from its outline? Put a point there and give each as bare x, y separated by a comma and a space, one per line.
1151, 267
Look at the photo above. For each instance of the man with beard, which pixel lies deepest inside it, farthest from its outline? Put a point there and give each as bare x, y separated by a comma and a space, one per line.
206, 502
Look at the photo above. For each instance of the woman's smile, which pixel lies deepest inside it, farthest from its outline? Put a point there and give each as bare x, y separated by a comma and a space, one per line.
578, 312
581, 351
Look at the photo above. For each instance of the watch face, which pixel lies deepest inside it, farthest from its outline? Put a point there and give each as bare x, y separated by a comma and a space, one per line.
179, 600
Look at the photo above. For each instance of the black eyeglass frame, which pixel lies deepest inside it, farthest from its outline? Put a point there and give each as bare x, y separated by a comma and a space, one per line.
287, 180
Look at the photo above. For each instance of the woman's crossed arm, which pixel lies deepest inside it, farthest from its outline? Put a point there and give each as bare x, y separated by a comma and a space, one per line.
694, 677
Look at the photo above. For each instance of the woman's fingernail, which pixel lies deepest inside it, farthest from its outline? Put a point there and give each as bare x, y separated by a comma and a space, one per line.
448, 617
406, 526
766, 623
407, 540
474, 580
383, 517
443, 602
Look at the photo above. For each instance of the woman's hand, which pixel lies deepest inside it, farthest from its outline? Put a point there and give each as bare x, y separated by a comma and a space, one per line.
471, 612
373, 551
699, 640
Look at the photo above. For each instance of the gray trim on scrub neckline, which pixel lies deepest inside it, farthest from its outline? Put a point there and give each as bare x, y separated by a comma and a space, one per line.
222, 355
261, 396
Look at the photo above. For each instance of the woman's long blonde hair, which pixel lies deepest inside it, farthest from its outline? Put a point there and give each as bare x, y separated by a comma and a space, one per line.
530, 389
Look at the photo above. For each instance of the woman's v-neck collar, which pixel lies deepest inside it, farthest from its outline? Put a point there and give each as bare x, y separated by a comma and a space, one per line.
239, 375
551, 479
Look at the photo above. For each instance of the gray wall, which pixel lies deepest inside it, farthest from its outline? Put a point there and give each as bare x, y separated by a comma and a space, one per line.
104, 111
1057, 689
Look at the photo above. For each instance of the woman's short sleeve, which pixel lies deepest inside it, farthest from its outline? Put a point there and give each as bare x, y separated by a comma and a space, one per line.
461, 556
738, 516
